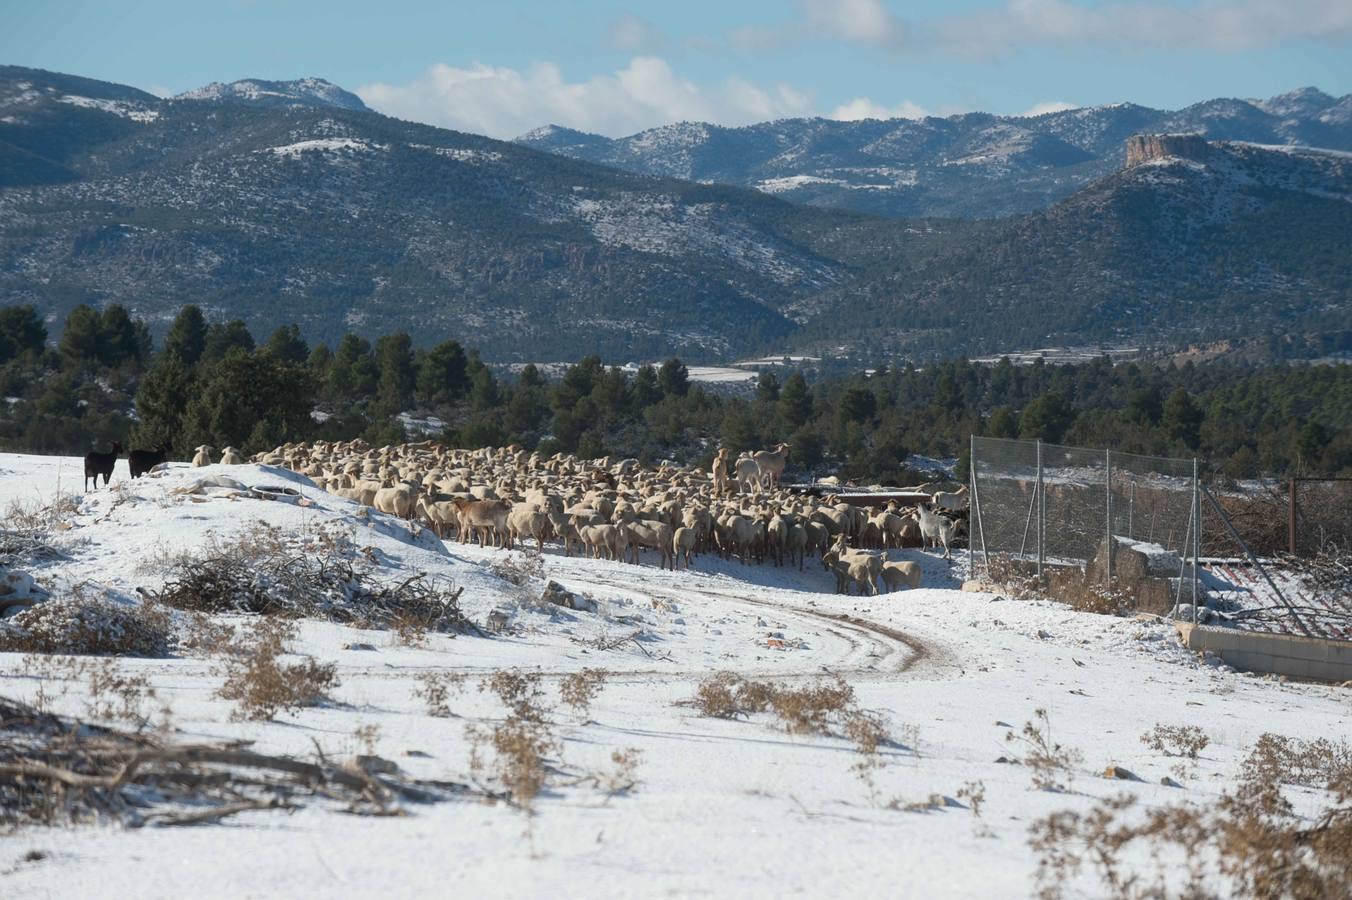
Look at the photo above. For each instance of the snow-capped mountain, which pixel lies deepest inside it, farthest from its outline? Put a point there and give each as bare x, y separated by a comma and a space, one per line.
343, 219
972, 166
301, 92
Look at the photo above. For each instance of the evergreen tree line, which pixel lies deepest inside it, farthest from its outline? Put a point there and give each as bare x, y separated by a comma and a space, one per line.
210, 383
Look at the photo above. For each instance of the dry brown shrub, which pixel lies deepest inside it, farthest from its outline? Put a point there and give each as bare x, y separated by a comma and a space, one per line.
579, 689
520, 749
1018, 580
1276, 759
111, 693
813, 709
519, 691
435, 690
1176, 740
974, 792
623, 777
262, 685
199, 633
114, 694
1253, 836
1052, 765
90, 624
716, 696
520, 569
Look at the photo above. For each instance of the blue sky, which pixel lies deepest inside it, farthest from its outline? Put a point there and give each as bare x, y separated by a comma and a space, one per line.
504, 67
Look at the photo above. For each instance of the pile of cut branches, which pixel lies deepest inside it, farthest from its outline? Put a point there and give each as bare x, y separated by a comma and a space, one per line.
322, 574
56, 770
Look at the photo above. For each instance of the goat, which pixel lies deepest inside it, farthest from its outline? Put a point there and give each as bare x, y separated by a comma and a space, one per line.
771, 464
955, 501
748, 474
935, 529
97, 464
202, 457
142, 461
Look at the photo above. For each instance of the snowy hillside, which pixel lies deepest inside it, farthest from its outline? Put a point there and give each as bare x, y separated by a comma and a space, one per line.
973, 165
728, 807
301, 92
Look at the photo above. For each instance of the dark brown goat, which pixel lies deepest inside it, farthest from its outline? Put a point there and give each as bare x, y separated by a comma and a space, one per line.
97, 464
142, 461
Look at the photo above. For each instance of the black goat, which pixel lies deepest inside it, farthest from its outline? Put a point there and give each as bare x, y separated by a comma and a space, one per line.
142, 461
97, 464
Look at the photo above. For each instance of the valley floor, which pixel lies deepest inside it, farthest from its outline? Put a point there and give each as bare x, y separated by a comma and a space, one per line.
722, 807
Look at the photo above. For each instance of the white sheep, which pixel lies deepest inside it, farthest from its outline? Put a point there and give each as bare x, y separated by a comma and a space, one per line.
901, 574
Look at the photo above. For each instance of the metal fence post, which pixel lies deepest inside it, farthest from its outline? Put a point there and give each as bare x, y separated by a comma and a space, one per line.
971, 507
1040, 501
1108, 506
1196, 537
1291, 517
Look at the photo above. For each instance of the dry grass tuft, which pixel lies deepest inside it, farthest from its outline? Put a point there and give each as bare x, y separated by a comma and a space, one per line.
435, 690
1176, 740
262, 685
579, 689
1251, 842
1052, 765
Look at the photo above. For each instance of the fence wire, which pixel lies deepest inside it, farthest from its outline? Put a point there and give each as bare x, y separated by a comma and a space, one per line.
1138, 526
1057, 505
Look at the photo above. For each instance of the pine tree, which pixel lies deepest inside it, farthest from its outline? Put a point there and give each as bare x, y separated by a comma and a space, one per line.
442, 374
1182, 418
223, 337
161, 400
287, 345
1047, 417
795, 403
394, 359
21, 331
120, 343
674, 378
82, 339
187, 337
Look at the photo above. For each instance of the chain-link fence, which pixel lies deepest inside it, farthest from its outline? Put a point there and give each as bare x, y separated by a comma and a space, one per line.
1100, 528
1119, 520
1296, 517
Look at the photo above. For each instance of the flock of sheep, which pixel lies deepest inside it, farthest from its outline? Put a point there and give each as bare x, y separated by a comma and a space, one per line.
615, 508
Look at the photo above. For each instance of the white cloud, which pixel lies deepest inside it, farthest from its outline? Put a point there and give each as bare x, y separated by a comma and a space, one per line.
864, 108
859, 21
1048, 106
504, 102
1224, 25
634, 34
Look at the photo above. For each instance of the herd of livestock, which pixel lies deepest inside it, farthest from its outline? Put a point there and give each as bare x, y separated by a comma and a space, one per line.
614, 509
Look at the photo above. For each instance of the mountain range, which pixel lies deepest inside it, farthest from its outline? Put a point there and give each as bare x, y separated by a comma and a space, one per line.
974, 165
290, 201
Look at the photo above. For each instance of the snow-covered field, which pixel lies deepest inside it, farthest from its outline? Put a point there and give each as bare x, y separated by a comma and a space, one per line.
722, 807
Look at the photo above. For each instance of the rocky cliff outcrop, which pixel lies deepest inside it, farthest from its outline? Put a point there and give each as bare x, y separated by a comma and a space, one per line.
1142, 148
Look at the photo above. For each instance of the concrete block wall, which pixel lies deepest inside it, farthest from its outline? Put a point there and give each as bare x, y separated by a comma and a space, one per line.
1318, 659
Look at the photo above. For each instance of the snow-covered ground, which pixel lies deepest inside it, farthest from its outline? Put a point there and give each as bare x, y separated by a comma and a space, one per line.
722, 808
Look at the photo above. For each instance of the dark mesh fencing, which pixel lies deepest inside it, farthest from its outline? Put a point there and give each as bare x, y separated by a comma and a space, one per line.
1058, 505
